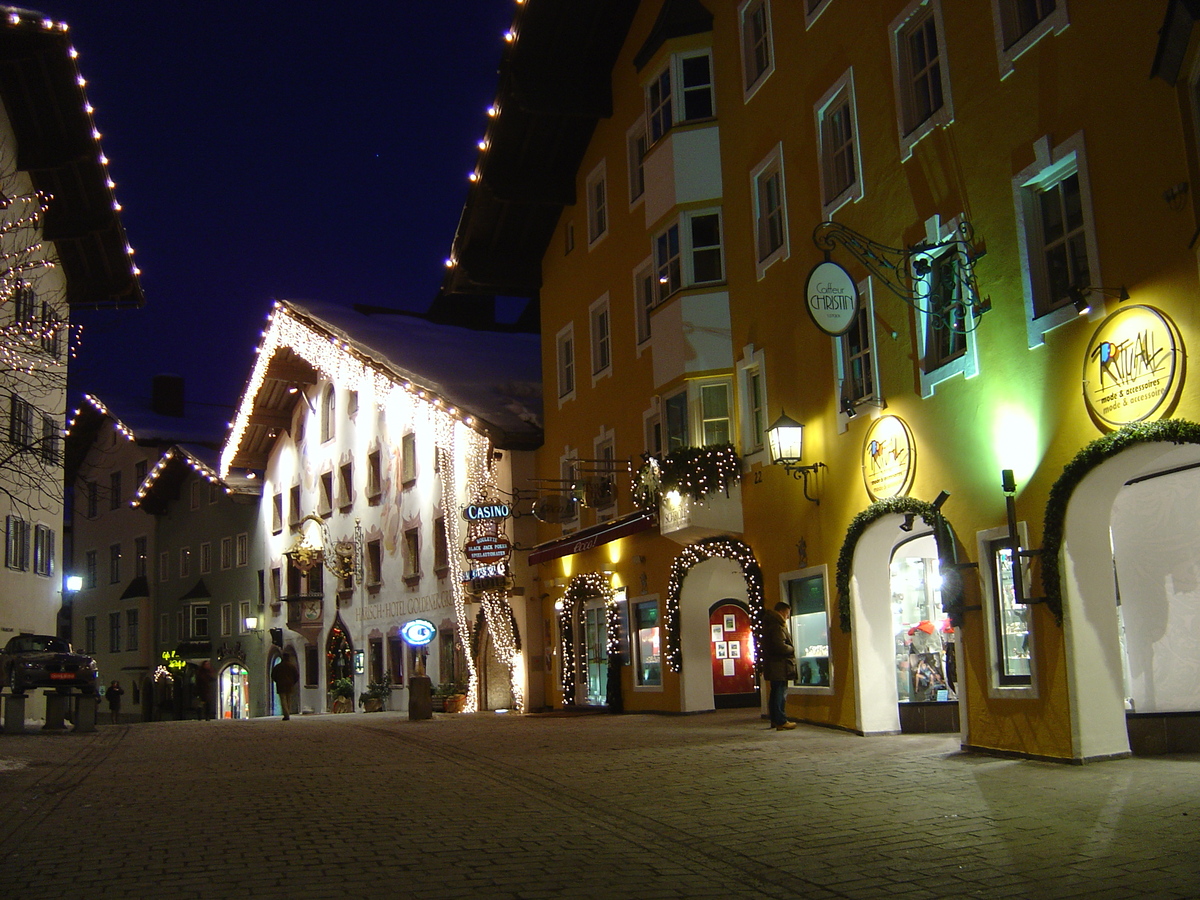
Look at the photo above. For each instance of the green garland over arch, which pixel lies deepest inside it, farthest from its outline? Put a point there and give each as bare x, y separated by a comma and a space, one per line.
584, 586
723, 547
952, 595
1175, 431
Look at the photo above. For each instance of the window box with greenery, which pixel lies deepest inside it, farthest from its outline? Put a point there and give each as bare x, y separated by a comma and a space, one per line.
375, 698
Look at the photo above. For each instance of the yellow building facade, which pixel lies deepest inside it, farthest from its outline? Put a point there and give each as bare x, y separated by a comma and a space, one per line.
993, 359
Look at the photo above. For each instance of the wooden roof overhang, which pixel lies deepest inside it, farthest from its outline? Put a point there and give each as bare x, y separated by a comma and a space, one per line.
555, 85
57, 145
286, 377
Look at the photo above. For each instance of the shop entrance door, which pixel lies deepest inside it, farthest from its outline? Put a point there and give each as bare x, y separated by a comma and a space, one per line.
595, 654
922, 634
734, 681
234, 693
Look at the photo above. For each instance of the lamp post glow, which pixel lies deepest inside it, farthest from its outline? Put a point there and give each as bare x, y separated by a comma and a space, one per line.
786, 439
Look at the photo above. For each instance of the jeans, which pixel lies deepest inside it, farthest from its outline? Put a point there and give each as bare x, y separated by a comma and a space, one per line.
776, 701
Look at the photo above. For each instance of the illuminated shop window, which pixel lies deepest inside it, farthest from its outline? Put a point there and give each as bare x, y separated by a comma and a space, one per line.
805, 591
1010, 621
925, 660
648, 647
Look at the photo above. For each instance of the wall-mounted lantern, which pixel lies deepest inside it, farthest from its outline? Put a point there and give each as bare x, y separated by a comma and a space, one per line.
786, 441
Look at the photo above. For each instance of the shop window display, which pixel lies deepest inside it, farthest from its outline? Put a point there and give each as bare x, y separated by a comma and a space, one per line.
810, 630
649, 650
925, 658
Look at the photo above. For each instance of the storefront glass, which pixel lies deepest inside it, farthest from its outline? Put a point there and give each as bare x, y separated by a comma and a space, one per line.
596, 650
1011, 623
810, 629
234, 693
648, 662
922, 630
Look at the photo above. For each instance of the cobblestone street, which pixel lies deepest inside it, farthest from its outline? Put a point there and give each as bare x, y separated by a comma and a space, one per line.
504, 806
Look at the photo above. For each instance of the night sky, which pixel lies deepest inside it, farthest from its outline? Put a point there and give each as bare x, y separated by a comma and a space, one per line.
274, 149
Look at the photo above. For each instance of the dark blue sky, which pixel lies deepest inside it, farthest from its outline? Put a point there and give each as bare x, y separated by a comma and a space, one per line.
269, 149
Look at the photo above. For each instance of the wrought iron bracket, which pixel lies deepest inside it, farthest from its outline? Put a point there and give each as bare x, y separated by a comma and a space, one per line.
802, 472
936, 278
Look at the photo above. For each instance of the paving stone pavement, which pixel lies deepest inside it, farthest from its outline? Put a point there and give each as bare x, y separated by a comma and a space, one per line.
598, 806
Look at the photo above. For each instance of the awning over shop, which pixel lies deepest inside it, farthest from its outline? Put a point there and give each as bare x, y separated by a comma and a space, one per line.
590, 538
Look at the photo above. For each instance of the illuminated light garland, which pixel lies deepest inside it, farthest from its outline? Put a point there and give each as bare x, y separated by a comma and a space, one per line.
583, 586
197, 466
726, 548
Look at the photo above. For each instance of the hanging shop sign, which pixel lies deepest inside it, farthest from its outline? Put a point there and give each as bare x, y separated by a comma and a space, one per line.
477, 512
487, 578
418, 632
1133, 370
889, 458
831, 298
488, 549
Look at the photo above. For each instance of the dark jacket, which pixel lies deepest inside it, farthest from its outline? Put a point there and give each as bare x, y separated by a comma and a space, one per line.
285, 675
779, 655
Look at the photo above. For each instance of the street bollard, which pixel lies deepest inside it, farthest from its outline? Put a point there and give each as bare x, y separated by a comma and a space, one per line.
14, 714
420, 697
56, 711
85, 713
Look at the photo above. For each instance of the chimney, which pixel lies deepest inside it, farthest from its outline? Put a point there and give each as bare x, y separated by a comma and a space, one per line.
167, 395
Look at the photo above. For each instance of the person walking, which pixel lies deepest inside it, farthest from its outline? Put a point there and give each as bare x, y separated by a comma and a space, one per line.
779, 663
286, 676
113, 694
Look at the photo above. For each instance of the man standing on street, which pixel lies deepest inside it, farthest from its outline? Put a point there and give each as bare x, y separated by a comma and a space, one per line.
779, 662
285, 675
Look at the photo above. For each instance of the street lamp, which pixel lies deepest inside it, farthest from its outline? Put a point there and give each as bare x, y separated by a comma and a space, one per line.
786, 441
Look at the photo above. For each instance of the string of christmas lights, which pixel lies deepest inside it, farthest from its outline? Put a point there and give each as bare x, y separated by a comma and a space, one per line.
584, 586
723, 547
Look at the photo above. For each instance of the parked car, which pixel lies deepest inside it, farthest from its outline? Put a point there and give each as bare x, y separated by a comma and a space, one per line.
42, 660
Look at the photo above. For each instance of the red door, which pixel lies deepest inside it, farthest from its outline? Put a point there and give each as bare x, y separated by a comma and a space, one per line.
733, 668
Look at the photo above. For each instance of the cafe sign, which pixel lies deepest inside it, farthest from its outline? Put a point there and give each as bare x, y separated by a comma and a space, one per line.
831, 298
1133, 369
889, 458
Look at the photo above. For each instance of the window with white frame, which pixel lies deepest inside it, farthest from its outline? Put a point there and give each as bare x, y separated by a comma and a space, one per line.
242, 545
856, 361
601, 329
43, 550
770, 210
226, 553
185, 562
752, 405
837, 146
114, 563
565, 351
226, 619
16, 547
1022, 23
164, 565
644, 299
688, 252
1056, 233
597, 204
682, 91
920, 72
20, 421
205, 558
131, 629
715, 413
199, 620
194, 495
114, 632
243, 615
604, 488
637, 143
812, 9
758, 57
675, 415
945, 330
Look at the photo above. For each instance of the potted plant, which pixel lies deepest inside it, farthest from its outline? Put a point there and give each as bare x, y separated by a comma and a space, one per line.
377, 694
341, 692
449, 697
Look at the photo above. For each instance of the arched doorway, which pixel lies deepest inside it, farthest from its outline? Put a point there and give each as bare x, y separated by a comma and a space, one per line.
1126, 563
717, 578
233, 692
901, 636
735, 683
339, 652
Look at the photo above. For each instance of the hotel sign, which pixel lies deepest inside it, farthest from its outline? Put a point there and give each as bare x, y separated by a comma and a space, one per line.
831, 298
1133, 369
889, 458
